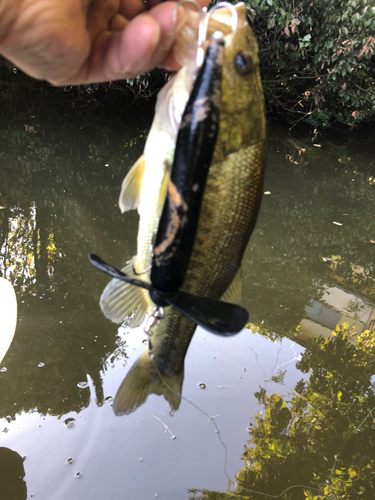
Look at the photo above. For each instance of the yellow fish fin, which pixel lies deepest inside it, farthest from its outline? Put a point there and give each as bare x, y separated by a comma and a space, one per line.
142, 380
131, 186
119, 299
233, 293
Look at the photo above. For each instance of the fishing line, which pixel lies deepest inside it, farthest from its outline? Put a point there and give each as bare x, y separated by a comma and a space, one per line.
364, 420
204, 18
211, 419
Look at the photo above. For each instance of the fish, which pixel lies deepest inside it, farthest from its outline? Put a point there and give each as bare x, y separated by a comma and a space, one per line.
227, 217
178, 222
228, 213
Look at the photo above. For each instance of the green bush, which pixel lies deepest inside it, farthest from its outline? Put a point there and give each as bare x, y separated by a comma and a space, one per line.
317, 58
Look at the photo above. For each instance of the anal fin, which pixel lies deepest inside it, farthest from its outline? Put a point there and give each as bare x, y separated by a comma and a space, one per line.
233, 294
119, 299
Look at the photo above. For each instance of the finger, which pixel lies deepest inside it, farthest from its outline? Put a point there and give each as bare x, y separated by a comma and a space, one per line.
201, 3
145, 43
124, 54
118, 23
131, 8
103, 15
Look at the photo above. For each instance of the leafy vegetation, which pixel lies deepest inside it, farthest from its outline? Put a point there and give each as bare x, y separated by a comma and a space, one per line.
317, 58
317, 61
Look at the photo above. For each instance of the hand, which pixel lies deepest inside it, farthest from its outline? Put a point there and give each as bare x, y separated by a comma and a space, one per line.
70, 42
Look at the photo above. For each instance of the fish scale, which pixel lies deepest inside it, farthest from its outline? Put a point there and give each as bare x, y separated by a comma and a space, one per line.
225, 226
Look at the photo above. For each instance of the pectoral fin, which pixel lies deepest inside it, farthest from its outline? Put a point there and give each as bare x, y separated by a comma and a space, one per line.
142, 380
131, 186
119, 299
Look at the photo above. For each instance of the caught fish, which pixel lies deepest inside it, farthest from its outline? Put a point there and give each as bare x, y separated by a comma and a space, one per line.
228, 211
178, 222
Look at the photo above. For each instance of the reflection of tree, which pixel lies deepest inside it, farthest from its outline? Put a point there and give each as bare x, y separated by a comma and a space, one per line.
60, 179
353, 276
323, 435
26, 246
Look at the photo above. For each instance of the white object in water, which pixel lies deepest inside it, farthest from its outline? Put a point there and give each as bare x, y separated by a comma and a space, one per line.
8, 316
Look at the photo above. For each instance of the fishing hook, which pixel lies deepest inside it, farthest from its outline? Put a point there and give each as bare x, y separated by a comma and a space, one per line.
157, 315
203, 27
215, 8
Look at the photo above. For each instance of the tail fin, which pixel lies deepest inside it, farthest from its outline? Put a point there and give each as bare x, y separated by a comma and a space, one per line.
144, 379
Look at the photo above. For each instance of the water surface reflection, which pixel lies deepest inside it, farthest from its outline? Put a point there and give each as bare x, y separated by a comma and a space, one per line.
309, 263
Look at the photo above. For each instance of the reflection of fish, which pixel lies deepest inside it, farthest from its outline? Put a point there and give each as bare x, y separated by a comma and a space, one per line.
228, 214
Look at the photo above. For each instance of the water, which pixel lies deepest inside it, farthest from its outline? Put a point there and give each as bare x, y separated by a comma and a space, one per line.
290, 411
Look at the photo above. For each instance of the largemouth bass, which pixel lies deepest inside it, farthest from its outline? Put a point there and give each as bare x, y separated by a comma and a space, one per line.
228, 214
178, 222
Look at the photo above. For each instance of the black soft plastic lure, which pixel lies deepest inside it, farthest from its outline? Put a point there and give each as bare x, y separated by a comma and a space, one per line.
179, 220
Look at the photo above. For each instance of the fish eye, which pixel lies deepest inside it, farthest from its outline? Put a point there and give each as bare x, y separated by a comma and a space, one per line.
243, 63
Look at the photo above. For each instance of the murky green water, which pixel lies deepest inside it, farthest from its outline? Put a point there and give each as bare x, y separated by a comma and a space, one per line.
291, 411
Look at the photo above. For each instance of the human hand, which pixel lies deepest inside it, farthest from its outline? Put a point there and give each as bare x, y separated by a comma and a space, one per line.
71, 42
